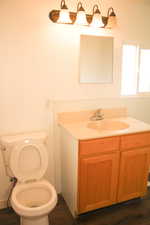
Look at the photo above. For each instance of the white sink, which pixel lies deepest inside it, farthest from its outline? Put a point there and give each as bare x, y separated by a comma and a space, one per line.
108, 125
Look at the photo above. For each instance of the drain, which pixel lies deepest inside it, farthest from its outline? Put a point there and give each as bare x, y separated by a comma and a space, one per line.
33, 206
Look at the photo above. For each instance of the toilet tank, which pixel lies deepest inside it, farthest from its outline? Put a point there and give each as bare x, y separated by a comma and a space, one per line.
7, 143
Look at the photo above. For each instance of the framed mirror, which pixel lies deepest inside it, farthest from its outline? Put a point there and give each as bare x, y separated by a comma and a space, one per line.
96, 59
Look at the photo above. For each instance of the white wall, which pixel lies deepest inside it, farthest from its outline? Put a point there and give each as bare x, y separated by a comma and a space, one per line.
39, 60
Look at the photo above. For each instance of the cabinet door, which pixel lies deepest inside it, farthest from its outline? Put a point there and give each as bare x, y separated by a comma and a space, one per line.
133, 174
97, 181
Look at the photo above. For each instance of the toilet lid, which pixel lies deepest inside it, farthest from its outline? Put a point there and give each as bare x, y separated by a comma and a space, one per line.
29, 160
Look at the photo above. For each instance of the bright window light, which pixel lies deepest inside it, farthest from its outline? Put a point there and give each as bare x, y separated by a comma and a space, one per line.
144, 74
129, 70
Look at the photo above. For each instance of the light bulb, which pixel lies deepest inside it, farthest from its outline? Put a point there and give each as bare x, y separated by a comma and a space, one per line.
64, 16
81, 16
97, 21
111, 22
97, 18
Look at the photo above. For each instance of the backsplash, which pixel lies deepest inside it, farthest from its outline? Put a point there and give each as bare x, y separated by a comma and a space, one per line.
69, 117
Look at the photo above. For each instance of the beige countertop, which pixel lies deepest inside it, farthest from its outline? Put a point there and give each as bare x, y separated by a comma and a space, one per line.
82, 131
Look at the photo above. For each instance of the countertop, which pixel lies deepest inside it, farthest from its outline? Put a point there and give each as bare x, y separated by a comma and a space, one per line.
81, 131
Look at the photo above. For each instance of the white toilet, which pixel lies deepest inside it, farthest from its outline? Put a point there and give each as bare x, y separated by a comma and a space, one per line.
25, 157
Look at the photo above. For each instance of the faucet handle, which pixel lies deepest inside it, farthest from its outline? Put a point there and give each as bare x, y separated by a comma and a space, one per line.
98, 112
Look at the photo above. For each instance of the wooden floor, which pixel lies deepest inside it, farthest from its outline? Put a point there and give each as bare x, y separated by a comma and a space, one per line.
135, 212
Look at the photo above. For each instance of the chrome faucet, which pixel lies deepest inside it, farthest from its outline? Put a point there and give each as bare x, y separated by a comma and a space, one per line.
97, 115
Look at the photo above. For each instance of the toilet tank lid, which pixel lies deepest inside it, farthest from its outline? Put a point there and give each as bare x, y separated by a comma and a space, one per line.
8, 140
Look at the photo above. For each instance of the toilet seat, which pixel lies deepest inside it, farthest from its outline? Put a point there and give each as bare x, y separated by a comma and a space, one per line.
29, 160
26, 158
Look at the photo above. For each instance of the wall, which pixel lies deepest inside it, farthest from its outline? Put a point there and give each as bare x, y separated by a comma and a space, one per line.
40, 61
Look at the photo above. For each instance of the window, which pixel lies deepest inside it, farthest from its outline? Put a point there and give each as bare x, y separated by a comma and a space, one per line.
144, 75
135, 70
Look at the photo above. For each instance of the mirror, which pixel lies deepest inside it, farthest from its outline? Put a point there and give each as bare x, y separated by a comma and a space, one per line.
96, 59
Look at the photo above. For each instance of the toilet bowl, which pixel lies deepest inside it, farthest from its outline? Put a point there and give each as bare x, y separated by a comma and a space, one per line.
34, 201
33, 197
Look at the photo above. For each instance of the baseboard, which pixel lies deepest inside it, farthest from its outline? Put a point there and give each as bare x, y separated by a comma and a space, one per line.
3, 204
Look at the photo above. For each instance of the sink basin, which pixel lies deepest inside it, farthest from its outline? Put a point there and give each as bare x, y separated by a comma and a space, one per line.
108, 125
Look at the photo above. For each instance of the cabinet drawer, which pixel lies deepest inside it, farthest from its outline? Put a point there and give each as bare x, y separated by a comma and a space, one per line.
135, 140
101, 145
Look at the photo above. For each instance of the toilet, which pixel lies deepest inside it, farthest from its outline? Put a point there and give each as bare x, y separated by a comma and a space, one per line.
25, 158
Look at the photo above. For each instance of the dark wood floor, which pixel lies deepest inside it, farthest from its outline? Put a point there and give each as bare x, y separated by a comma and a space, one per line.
135, 212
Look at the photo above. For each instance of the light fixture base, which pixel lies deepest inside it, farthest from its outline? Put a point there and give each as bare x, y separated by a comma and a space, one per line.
54, 15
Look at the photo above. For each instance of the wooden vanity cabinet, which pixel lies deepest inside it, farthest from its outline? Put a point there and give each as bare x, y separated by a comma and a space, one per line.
134, 166
112, 170
98, 173
101, 172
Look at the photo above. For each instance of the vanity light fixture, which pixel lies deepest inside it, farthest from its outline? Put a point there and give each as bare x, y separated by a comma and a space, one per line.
111, 22
97, 18
64, 16
81, 16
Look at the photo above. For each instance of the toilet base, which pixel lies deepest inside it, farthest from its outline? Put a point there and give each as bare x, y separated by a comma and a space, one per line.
43, 220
